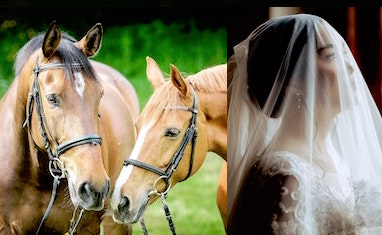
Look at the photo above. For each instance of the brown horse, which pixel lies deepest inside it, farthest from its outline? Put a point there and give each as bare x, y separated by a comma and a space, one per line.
61, 119
183, 120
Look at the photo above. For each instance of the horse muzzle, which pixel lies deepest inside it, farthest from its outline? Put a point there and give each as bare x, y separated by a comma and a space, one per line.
125, 213
88, 196
92, 198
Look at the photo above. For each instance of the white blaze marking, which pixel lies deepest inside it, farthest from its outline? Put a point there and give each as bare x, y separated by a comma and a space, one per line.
80, 83
126, 171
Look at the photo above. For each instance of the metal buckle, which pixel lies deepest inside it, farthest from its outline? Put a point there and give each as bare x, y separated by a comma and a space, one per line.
55, 171
168, 185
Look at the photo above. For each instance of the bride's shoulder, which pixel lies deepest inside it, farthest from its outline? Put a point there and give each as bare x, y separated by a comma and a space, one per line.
284, 162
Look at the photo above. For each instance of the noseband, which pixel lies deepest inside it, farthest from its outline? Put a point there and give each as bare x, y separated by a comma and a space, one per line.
190, 136
35, 100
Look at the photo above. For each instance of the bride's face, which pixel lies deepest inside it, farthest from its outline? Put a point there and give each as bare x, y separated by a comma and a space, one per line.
327, 70
327, 66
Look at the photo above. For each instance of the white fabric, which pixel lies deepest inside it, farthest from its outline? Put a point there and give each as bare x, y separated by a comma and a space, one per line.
325, 136
337, 203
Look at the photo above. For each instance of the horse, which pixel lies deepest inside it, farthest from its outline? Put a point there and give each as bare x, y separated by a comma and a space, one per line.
182, 121
62, 139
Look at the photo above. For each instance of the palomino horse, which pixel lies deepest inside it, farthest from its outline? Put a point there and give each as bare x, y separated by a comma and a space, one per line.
182, 121
63, 117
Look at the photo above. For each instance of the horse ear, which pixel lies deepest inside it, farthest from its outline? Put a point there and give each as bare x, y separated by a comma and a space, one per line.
153, 72
51, 41
91, 42
177, 79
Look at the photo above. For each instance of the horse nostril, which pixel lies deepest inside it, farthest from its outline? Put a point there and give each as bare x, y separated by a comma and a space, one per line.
85, 191
124, 204
91, 196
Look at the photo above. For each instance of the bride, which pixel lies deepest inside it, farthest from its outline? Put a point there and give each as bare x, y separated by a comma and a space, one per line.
305, 135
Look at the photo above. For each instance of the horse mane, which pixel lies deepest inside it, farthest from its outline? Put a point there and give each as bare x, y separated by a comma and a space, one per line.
212, 79
67, 52
209, 80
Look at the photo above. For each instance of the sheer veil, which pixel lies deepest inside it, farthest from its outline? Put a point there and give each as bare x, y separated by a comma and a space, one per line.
296, 90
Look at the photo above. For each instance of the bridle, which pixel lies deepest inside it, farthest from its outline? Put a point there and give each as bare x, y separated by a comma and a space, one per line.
34, 100
190, 136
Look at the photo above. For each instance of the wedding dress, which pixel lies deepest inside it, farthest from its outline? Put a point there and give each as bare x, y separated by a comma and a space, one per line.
304, 134
337, 207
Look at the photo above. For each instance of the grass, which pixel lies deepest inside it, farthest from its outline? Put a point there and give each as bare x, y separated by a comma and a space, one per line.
192, 203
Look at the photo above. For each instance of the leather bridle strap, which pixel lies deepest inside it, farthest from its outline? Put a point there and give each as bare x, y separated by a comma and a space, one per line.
88, 139
144, 166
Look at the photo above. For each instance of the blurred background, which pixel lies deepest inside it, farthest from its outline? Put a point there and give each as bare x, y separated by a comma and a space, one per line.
190, 38
187, 37
361, 27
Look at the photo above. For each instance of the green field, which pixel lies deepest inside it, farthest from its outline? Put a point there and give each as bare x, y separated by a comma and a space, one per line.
125, 47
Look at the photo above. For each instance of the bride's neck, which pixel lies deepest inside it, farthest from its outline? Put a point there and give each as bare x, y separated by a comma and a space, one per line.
302, 136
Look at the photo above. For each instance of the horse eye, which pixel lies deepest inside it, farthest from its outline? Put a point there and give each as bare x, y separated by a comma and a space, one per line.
53, 100
172, 132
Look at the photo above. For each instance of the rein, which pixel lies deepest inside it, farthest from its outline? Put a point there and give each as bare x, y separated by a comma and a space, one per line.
190, 136
56, 170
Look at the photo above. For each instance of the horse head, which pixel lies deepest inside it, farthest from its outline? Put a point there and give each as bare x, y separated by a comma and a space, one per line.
172, 143
62, 112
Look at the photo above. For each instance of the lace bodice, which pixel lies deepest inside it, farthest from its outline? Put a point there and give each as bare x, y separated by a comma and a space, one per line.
316, 202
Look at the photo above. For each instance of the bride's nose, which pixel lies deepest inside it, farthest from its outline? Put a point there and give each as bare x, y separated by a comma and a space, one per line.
349, 67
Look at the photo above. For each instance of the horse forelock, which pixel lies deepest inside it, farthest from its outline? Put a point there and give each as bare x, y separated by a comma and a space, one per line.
209, 80
164, 96
67, 52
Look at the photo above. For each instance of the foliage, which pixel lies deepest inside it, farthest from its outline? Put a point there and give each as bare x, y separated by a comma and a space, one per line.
126, 47
191, 50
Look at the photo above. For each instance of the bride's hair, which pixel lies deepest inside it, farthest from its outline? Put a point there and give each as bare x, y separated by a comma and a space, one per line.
266, 59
